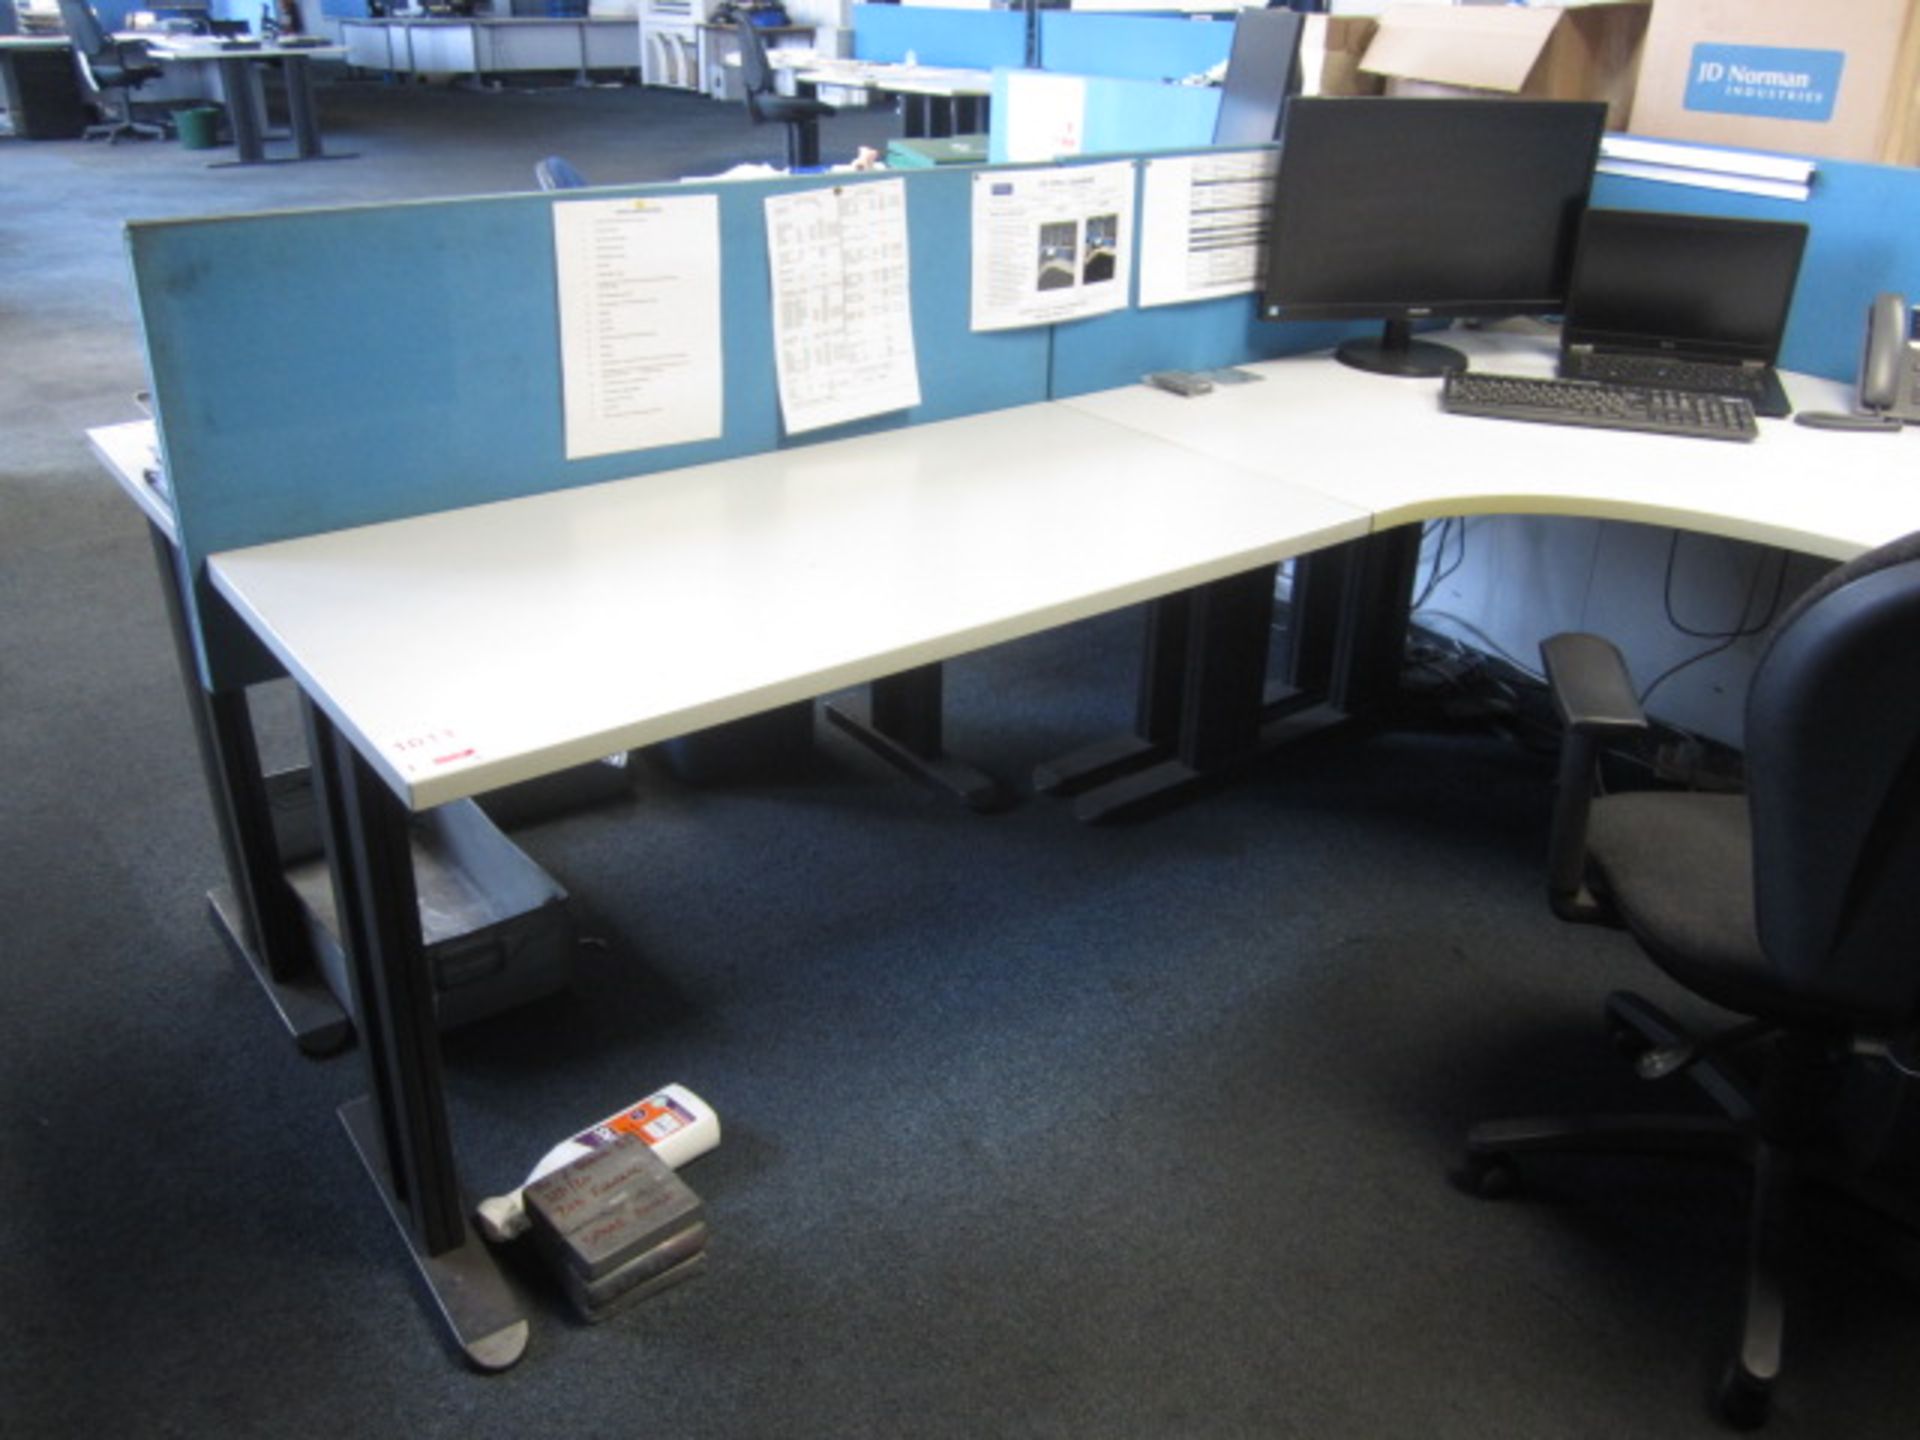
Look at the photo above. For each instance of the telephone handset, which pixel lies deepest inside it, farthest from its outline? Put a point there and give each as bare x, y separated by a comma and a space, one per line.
1889, 392
1890, 365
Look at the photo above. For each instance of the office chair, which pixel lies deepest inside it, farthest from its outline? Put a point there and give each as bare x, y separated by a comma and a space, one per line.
553, 173
1791, 906
800, 114
109, 67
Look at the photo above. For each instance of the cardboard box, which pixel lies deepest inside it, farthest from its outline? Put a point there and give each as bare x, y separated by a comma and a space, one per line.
1331, 48
1834, 80
1576, 52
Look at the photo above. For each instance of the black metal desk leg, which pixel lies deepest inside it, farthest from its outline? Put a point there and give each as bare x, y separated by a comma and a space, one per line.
401, 1130
1200, 712
243, 111
900, 720
1156, 724
256, 911
913, 117
1373, 623
300, 109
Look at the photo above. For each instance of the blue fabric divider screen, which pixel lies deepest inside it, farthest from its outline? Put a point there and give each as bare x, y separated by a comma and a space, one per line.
1131, 47
315, 370
966, 39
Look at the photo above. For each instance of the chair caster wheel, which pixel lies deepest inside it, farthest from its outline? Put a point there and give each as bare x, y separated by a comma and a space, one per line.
1744, 1402
1491, 1177
1628, 1043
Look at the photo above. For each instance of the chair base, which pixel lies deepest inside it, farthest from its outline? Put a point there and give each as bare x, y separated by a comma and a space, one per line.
112, 130
121, 120
1762, 1143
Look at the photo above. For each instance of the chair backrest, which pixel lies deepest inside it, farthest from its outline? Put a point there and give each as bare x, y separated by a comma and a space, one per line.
756, 71
553, 173
84, 29
1833, 775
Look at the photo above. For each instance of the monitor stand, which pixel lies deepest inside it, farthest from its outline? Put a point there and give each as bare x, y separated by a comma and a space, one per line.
1396, 352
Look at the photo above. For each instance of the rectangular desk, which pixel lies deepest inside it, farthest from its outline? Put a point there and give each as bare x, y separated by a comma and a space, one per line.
39, 88
445, 655
241, 85
480, 46
450, 654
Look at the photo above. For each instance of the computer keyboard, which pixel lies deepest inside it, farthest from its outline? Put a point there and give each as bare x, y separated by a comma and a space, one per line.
1585, 402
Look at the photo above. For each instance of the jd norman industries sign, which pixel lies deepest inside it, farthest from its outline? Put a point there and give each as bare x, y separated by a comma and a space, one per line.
1765, 80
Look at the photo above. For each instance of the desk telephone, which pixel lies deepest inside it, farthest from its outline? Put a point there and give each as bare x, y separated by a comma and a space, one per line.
1888, 395
1890, 364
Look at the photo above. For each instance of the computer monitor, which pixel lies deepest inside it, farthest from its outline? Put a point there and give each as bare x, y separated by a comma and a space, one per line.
1263, 69
1405, 210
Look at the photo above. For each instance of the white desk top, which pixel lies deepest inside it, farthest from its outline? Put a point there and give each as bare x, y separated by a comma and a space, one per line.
491, 22
131, 452
878, 75
199, 47
1381, 443
466, 650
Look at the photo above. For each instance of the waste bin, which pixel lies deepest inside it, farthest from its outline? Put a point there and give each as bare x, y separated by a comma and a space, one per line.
197, 127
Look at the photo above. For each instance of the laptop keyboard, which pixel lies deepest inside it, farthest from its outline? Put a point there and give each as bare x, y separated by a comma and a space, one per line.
1653, 370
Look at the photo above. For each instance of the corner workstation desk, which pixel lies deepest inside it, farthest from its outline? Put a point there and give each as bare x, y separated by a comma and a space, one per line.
966, 533
446, 587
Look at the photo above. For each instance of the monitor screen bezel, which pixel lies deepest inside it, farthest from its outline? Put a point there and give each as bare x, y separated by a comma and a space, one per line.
1592, 116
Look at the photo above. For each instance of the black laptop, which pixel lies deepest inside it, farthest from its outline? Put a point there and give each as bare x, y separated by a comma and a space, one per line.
1684, 302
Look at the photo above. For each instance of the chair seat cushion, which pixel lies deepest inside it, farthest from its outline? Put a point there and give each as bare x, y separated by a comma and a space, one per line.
1677, 868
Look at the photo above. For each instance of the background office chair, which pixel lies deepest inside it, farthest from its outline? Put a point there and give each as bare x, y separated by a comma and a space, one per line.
109, 68
1792, 905
553, 173
800, 114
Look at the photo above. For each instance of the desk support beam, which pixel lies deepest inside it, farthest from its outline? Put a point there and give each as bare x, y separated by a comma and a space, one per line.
1204, 705
256, 911
401, 1130
900, 720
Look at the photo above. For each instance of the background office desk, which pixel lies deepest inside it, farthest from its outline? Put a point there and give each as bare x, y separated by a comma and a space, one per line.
241, 78
936, 101
450, 654
1382, 443
441, 45
39, 89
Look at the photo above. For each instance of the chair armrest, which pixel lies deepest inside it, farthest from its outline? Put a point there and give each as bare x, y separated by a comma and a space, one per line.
1594, 698
1591, 689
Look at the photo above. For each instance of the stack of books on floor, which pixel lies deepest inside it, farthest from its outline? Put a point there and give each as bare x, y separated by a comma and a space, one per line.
618, 1225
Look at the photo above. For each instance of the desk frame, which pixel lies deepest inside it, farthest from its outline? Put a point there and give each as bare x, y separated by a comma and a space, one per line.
240, 83
1201, 709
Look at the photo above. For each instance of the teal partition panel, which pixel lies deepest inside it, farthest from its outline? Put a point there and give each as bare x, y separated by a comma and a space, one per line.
1134, 47
1862, 241
1116, 116
969, 39
1146, 115
322, 369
